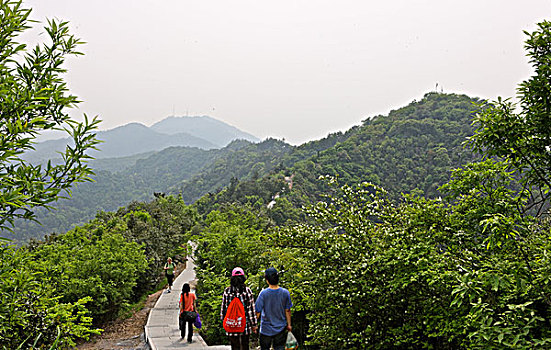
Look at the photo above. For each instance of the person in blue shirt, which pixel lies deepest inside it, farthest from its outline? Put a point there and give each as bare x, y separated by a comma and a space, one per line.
273, 307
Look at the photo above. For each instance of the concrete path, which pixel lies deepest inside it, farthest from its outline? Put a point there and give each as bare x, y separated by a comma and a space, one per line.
161, 330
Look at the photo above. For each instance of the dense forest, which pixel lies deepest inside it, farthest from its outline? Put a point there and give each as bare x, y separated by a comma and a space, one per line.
425, 228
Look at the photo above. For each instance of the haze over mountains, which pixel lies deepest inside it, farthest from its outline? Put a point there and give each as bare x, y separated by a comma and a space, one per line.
131, 139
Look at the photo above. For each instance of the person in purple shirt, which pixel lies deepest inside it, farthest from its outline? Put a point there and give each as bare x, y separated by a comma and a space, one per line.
273, 307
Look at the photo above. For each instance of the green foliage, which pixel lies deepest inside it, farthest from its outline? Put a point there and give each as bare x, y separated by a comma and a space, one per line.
482, 192
93, 261
257, 194
508, 329
422, 274
34, 99
521, 133
115, 259
500, 252
411, 149
31, 313
313, 148
111, 190
468, 274
190, 172
367, 282
107, 263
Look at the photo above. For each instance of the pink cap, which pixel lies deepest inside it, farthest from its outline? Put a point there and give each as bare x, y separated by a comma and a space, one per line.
238, 272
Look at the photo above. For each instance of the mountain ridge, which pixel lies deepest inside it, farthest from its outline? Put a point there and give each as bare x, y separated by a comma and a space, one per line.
135, 138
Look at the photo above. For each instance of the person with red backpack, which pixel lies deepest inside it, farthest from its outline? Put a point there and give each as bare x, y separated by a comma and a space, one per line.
237, 311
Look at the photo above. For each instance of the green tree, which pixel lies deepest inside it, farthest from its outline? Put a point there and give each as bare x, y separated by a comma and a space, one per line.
372, 273
501, 257
35, 98
93, 261
521, 132
32, 316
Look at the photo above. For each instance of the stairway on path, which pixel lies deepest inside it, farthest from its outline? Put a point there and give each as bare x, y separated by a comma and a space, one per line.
161, 330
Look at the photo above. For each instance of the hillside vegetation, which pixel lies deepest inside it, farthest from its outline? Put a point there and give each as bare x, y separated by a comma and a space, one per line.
427, 228
412, 149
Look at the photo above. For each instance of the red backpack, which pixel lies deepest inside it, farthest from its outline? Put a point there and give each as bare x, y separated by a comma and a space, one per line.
234, 321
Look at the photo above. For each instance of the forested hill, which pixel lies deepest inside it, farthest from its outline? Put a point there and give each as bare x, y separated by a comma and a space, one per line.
411, 148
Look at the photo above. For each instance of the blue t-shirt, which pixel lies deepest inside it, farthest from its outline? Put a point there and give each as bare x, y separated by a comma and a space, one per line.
271, 304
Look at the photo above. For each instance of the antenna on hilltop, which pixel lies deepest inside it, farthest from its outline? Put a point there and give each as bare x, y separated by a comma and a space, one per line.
173, 111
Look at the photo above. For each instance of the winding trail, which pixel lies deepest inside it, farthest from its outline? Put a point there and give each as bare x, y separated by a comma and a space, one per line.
161, 330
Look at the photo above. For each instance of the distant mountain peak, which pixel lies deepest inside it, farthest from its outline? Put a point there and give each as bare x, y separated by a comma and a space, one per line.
129, 125
205, 127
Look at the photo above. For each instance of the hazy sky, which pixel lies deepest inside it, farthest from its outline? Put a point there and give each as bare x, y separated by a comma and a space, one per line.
293, 69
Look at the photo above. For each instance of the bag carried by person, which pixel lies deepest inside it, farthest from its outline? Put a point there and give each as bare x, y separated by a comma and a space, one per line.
197, 323
291, 343
234, 321
189, 315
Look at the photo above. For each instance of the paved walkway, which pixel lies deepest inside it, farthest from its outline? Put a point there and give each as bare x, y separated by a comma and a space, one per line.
161, 330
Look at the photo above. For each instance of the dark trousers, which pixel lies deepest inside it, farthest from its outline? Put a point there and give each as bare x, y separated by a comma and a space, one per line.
277, 340
239, 342
169, 279
183, 329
